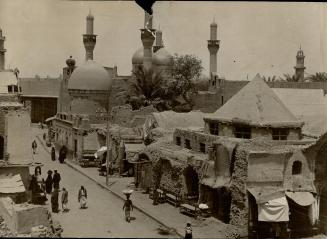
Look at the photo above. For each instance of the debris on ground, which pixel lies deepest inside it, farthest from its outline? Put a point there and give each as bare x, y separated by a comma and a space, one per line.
166, 231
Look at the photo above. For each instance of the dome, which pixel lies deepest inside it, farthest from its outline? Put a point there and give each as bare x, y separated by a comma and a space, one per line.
162, 58
138, 56
90, 76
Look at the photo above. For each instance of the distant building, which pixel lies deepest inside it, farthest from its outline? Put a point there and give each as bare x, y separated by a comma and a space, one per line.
40, 96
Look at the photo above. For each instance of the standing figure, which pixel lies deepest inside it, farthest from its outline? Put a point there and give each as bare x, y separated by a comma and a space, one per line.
56, 179
34, 146
53, 153
128, 206
44, 136
54, 200
64, 200
82, 196
188, 231
49, 182
62, 154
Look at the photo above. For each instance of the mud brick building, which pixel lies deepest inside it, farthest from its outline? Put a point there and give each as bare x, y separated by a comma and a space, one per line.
250, 156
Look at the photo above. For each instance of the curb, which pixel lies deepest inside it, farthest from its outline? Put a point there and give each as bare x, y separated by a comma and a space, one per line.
70, 164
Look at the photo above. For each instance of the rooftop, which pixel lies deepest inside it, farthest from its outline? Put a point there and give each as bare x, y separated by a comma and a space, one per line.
256, 104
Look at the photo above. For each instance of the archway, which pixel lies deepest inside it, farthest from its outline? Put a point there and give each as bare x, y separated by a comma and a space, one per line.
191, 183
2, 145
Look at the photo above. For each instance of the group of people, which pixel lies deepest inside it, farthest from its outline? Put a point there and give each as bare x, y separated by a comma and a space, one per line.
62, 154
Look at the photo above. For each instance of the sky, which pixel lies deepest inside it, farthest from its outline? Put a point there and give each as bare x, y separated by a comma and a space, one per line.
256, 37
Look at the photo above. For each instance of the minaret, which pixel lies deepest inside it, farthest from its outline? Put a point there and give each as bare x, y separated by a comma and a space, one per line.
159, 43
147, 37
213, 46
2, 51
89, 39
299, 68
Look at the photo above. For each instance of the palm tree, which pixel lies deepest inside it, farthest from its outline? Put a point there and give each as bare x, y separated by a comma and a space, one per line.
149, 88
289, 78
318, 77
269, 78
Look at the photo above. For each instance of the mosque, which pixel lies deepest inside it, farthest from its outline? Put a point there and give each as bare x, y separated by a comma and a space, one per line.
87, 92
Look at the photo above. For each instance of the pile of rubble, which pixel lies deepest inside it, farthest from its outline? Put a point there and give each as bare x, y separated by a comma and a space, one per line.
53, 231
4, 230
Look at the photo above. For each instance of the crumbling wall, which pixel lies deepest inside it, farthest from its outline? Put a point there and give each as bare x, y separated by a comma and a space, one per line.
171, 177
239, 205
195, 139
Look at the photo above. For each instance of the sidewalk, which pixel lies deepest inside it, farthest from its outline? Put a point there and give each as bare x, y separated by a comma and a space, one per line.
165, 214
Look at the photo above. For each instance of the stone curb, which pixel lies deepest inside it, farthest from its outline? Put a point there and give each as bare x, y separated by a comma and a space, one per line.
70, 164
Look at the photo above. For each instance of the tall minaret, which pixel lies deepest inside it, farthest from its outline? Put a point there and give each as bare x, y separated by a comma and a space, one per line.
2, 51
159, 43
299, 68
147, 37
213, 46
89, 39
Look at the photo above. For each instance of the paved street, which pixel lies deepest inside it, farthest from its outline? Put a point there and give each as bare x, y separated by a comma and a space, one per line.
104, 216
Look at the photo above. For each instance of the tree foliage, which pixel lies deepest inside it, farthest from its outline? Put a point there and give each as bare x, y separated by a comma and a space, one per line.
290, 78
318, 77
186, 72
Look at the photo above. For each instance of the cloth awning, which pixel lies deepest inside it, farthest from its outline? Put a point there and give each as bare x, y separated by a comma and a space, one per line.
134, 147
100, 151
12, 184
301, 198
266, 193
50, 118
275, 210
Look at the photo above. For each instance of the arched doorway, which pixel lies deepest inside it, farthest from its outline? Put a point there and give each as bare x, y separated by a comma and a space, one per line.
2, 145
191, 183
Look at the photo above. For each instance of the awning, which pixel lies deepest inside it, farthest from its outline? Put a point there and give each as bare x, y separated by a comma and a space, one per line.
265, 193
12, 184
301, 198
100, 151
134, 147
50, 118
275, 210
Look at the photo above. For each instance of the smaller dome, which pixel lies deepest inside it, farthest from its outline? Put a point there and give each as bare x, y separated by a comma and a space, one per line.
300, 52
90, 16
162, 58
70, 62
90, 76
138, 57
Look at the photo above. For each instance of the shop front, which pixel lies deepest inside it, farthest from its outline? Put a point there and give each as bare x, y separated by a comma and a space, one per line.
276, 213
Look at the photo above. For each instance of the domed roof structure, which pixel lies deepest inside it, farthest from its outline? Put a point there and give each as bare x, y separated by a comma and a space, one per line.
90, 76
162, 58
138, 56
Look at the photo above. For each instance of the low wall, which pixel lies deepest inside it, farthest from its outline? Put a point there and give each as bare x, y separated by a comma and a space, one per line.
20, 218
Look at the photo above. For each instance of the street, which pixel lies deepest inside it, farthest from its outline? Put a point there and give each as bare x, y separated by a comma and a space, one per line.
104, 216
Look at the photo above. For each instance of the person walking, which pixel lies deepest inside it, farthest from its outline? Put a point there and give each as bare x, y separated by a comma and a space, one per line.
49, 183
62, 154
34, 146
56, 179
54, 200
188, 231
64, 200
82, 197
53, 153
128, 206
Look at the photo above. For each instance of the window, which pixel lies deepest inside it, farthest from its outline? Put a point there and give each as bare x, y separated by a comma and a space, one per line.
279, 134
222, 100
214, 128
296, 167
178, 141
202, 147
243, 132
15, 88
9, 89
188, 144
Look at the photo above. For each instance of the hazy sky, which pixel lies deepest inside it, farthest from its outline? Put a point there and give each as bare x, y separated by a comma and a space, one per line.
255, 37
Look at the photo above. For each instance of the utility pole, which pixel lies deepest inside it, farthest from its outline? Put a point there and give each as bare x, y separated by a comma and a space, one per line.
107, 141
